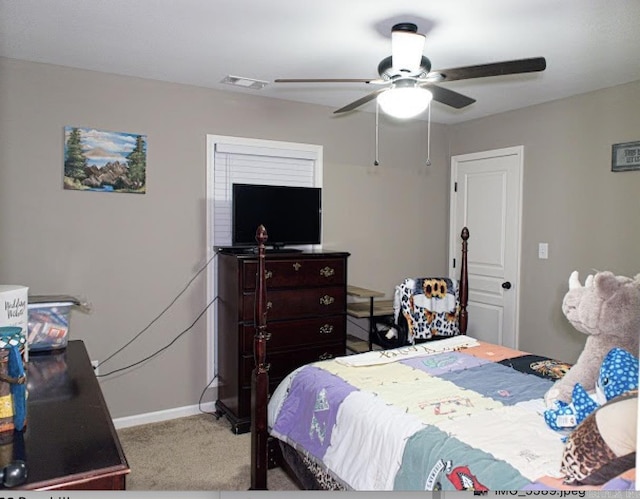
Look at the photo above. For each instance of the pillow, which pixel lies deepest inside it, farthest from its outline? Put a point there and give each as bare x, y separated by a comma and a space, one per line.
428, 307
604, 445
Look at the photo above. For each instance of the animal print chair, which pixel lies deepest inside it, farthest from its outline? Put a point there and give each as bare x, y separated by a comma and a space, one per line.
425, 308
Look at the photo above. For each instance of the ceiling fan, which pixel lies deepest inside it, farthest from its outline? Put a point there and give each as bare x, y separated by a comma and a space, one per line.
408, 82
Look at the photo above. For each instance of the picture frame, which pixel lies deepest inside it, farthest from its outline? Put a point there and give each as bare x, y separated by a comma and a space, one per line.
104, 160
625, 156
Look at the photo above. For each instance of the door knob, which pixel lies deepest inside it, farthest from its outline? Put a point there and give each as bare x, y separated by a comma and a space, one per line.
506, 285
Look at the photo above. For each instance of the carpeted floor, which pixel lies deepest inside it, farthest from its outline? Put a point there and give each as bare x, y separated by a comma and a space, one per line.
192, 453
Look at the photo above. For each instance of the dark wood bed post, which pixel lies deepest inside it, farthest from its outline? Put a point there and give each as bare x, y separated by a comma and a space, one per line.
260, 376
464, 283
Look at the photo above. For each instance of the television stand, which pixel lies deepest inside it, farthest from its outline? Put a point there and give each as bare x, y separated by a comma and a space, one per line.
251, 250
235, 250
280, 250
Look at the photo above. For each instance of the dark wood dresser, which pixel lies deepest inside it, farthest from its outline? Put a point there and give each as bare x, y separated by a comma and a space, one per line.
70, 441
306, 320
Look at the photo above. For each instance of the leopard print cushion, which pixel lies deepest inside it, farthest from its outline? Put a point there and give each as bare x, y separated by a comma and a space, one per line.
324, 480
603, 445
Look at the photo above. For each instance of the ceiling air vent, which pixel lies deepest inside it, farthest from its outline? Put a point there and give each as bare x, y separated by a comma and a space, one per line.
241, 81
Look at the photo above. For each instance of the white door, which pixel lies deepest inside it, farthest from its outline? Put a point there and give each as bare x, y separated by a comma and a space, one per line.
487, 198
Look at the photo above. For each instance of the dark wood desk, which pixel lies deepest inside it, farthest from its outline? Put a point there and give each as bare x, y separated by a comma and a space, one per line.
69, 441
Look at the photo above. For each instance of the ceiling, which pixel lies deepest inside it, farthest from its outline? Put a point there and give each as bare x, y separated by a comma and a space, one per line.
588, 44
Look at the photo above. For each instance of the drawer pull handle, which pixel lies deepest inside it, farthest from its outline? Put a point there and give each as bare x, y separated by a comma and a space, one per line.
327, 272
327, 300
325, 356
268, 274
326, 329
296, 266
269, 305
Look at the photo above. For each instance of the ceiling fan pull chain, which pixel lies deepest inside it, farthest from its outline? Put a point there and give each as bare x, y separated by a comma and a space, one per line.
375, 162
428, 162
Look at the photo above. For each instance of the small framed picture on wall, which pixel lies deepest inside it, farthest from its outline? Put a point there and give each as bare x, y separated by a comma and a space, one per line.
104, 161
625, 157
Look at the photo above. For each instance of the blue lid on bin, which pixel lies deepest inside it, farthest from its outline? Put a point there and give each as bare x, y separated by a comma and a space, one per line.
53, 300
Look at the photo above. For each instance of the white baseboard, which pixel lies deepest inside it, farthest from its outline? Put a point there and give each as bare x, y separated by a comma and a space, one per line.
158, 416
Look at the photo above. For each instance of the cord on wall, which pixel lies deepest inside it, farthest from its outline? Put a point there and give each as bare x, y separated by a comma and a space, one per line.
158, 317
217, 416
376, 162
148, 357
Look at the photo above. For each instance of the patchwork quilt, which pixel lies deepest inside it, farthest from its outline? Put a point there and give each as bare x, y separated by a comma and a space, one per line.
455, 414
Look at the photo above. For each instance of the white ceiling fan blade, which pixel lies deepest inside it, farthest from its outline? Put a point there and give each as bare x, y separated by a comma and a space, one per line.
407, 46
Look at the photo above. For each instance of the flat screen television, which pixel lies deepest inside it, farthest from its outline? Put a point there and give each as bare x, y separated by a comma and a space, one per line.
291, 215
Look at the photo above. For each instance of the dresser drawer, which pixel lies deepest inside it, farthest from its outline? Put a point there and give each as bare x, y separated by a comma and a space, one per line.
294, 333
297, 303
297, 272
284, 362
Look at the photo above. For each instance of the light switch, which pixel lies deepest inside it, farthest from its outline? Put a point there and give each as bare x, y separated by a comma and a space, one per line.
543, 251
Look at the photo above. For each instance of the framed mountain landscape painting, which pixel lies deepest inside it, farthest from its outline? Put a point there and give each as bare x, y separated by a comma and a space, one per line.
105, 161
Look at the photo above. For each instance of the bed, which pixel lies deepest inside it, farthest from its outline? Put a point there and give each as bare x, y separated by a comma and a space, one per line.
452, 414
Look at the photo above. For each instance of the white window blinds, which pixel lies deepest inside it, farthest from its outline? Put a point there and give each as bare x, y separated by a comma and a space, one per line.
257, 164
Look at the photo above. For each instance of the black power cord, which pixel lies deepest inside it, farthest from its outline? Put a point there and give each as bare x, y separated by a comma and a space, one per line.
157, 352
156, 319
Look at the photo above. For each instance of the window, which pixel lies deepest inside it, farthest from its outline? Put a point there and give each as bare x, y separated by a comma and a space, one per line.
249, 161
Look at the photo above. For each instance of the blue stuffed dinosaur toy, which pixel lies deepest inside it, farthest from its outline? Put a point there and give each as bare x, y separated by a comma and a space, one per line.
618, 375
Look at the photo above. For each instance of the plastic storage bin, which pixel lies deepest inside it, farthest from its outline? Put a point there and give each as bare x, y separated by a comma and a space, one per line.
48, 323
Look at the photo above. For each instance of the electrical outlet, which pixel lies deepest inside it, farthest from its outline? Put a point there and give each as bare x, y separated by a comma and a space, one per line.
95, 364
543, 251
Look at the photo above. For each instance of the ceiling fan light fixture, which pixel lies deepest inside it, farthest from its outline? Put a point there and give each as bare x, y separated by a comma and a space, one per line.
404, 102
406, 48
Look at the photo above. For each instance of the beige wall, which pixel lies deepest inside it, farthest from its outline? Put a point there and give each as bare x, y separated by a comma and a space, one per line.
589, 215
130, 255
